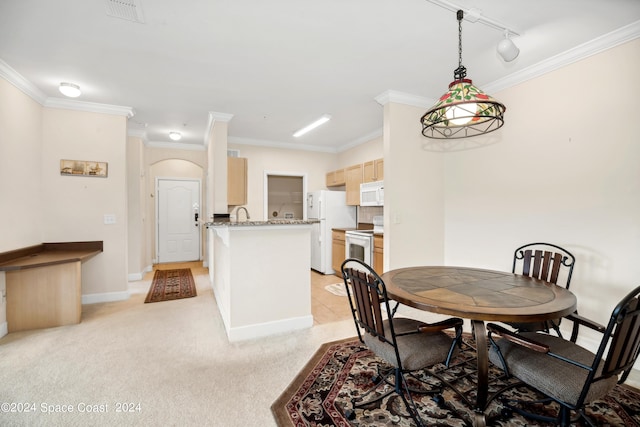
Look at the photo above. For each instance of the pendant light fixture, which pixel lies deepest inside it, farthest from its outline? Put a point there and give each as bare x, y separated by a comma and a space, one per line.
464, 110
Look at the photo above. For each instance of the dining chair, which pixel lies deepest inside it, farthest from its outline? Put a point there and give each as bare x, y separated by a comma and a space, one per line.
405, 345
548, 262
565, 372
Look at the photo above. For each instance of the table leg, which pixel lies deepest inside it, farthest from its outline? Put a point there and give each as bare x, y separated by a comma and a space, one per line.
480, 336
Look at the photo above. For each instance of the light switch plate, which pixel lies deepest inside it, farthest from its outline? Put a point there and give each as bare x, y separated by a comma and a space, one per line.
109, 218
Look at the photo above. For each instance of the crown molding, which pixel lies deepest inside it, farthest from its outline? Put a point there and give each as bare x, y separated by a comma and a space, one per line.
403, 98
213, 118
580, 52
16, 79
363, 139
90, 107
585, 50
276, 144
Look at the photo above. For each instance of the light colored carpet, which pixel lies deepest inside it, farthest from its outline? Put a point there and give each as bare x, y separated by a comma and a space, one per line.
172, 358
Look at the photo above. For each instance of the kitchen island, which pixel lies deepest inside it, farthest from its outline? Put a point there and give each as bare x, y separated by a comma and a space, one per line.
260, 274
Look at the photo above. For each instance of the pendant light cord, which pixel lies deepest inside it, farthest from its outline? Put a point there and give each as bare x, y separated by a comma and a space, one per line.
460, 72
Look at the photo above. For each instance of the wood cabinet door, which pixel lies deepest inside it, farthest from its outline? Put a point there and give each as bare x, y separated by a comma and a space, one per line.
378, 257
353, 180
373, 170
337, 250
335, 178
236, 181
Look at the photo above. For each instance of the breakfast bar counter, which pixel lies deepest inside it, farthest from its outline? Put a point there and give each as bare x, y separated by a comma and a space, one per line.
260, 274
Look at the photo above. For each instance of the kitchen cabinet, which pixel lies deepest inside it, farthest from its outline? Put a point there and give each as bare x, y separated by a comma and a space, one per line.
353, 179
335, 178
378, 250
373, 170
236, 181
337, 250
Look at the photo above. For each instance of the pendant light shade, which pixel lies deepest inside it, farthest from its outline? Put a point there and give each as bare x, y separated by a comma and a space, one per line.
464, 110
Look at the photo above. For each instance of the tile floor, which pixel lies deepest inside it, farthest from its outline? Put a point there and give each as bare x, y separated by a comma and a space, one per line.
325, 306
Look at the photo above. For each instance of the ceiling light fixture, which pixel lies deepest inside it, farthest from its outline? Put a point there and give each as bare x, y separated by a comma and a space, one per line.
325, 118
69, 89
507, 49
464, 110
176, 136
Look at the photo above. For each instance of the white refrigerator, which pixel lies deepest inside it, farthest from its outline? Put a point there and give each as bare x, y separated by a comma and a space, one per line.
331, 210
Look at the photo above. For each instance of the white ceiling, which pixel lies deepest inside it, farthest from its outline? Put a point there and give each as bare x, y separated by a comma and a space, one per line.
277, 65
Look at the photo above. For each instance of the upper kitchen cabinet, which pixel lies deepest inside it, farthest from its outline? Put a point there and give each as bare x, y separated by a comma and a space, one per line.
373, 170
353, 179
236, 181
335, 178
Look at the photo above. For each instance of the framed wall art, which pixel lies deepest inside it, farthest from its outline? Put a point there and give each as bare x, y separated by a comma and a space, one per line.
83, 168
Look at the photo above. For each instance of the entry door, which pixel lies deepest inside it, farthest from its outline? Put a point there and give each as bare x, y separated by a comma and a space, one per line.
178, 207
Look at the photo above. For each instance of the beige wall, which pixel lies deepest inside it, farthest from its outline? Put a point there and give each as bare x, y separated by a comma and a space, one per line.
139, 259
20, 176
170, 168
261, 159
563, 169
48, 207
20, 171
73, 208
217, 155
414, 192
365, 152
566, 171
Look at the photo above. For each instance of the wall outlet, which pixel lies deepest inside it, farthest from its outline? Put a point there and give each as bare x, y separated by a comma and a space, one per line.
109, 218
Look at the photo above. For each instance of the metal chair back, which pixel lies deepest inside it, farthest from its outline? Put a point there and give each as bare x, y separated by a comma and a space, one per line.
368, 297
544, 261
624, 333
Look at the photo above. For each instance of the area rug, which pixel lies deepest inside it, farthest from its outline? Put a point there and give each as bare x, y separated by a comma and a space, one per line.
337, 289
170, 285
339, 370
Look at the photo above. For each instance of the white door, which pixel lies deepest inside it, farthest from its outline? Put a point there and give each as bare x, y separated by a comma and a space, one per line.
178, 208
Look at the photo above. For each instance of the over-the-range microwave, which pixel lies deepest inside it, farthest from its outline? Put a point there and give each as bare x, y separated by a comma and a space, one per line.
372, 193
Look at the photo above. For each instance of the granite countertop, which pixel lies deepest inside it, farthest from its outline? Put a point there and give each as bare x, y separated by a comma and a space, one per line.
259, 223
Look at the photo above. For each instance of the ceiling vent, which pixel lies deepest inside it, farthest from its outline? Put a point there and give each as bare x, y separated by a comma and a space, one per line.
131, 10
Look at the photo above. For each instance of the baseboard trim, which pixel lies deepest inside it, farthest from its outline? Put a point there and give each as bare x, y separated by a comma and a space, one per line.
269, 328
106, 297
4, 329
134, 277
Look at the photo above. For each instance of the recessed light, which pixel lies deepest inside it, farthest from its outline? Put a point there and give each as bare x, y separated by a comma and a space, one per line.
176, 136
325, 118
69, 89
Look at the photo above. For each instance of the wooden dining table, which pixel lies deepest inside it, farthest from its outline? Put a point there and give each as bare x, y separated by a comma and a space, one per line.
479, 295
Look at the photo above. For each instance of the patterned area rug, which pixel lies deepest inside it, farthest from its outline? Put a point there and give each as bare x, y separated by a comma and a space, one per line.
171, 284
339, 370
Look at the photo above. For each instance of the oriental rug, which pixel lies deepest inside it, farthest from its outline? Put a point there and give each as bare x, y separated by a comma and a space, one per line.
170, 285
321, 392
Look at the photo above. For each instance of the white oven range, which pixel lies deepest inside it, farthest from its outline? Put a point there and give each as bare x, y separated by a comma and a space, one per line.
359, 245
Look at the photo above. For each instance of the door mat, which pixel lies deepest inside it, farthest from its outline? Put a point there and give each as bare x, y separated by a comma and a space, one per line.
337, 289
171, 284
341, 370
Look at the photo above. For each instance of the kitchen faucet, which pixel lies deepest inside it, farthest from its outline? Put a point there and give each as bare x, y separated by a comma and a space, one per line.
246, 212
